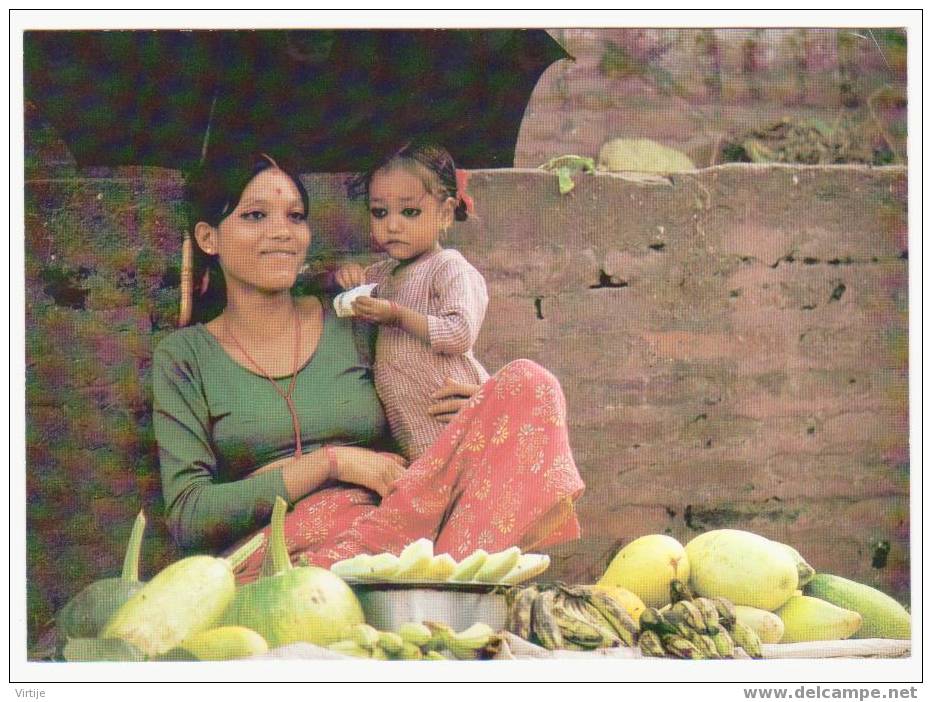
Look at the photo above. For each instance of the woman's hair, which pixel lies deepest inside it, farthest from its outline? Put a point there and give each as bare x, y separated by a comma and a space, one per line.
420, 158
212, 191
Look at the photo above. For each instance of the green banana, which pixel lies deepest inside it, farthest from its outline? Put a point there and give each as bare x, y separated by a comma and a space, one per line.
615, 614
520, 614
677, 620
440, 635
410, 652
434, 656
745, 637
724, 644
574, 624
727, 614
680, 592
652, 620
614, 635
681, 647
469, 643
364, 635
704, 643
650, 644
588, 612
543, 624
709, 614
414, 633
391, 642
690, 613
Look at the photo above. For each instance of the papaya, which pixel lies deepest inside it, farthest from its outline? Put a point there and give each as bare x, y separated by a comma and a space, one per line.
86, 614
288, 603
884, 617
743, 567
803, 569
811, 619
646, 567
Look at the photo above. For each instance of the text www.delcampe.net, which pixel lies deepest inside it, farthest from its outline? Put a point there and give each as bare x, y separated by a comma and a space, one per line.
806, 692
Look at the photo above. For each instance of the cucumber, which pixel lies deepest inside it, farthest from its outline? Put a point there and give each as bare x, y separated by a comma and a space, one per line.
188, 596
884, 617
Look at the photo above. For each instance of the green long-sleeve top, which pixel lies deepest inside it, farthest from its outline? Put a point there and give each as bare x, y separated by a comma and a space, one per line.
216, 421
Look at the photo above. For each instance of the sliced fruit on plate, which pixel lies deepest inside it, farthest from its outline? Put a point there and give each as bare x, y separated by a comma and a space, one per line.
467, 568
498, 565
528, 565
415, 560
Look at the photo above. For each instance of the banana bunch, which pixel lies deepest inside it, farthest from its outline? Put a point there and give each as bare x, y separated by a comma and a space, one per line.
427, 641
695, 628
417, 561
578, 617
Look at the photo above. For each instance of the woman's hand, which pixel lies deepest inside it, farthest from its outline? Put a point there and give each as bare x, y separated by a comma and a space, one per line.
373, 470
350, 275
451, 398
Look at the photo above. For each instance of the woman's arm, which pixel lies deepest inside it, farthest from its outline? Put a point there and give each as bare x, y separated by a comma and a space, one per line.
202, 514
348, 464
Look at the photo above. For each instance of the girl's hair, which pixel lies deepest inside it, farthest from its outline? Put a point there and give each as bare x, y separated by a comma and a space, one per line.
435, 160
212, 191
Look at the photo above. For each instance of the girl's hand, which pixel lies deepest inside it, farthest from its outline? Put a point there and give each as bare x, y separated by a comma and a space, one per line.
376, 471
373, 309
451, 398
350, 275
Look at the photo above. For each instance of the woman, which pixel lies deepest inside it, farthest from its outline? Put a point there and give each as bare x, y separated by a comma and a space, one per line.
273, 397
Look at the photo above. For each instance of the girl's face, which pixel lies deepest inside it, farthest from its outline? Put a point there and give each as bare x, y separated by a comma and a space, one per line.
262, 243
406, 219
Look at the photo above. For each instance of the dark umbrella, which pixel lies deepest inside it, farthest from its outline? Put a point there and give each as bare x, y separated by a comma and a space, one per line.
333, 97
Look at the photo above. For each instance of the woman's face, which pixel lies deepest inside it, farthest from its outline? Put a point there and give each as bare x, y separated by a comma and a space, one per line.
262, 243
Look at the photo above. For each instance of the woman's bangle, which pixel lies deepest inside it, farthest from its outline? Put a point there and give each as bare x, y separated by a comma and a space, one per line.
332, 467
396, 312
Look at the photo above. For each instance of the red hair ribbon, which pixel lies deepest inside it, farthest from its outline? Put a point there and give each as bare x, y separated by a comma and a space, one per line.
205, 281
462, 178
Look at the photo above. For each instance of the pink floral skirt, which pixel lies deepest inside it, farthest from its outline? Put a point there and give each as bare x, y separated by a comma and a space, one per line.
500, 474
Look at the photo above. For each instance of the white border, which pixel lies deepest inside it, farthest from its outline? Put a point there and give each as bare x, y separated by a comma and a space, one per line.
656, 672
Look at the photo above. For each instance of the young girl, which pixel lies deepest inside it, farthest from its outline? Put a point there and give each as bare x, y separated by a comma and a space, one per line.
429, 301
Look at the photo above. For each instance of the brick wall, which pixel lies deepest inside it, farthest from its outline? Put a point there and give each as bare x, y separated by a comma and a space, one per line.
732, 343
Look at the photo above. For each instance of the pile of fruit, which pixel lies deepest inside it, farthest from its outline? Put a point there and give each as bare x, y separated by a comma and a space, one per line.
583, 618
418, 562
774, 590
432, 641
726, 589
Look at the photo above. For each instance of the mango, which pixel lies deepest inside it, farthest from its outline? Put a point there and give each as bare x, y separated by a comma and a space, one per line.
811, 619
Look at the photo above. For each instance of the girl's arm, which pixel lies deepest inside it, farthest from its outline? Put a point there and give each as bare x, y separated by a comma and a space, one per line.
463, 299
